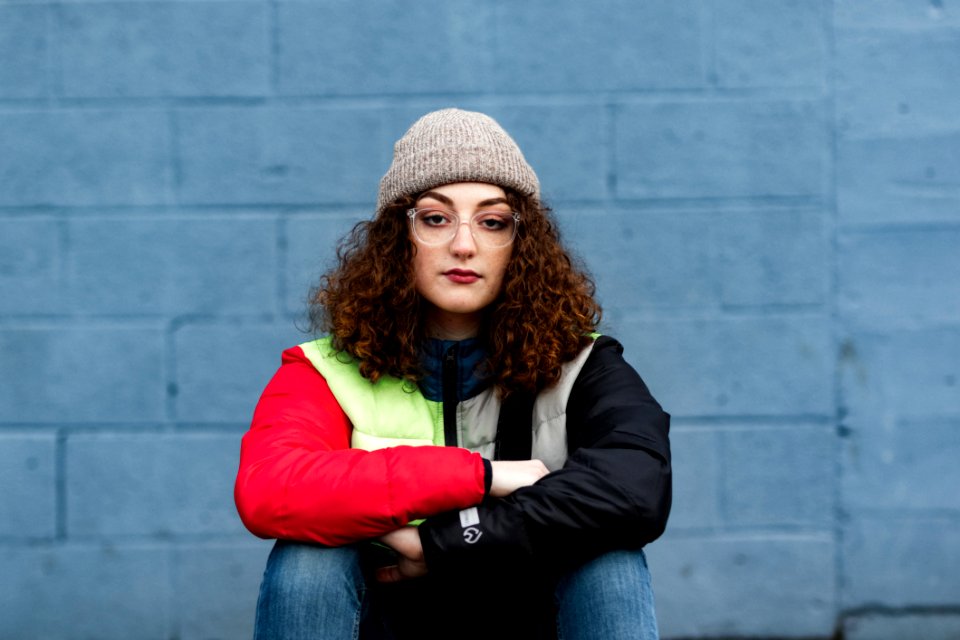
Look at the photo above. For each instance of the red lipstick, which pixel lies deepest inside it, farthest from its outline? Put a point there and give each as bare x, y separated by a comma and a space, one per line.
461, 276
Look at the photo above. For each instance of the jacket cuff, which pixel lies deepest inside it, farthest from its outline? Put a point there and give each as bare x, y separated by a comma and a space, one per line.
486, 538
487, 476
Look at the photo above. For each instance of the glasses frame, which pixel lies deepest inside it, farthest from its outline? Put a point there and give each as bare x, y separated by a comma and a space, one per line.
412, 213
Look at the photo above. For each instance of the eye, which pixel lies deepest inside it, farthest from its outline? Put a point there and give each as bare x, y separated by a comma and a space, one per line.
435, 217
493, 221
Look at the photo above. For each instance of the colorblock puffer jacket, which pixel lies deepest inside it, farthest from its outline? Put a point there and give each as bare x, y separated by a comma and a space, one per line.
333, 459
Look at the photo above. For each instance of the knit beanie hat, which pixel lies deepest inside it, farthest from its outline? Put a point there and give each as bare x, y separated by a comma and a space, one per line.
452, 145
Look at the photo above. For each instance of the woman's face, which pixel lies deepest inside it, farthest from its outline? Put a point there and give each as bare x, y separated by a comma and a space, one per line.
459, 278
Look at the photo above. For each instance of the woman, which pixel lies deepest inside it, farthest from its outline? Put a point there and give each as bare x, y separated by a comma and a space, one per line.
461, 383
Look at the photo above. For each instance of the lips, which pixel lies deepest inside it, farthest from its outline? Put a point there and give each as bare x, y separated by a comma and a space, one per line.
461, 276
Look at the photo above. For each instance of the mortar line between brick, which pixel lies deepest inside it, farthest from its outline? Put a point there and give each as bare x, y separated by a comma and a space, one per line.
60, 532
584, 97
174, 622
282, 244
173, 155
895, 612
708, 51
720, 442
610, 113
274, 27
170, 390
832, 226
63, 256
54, 53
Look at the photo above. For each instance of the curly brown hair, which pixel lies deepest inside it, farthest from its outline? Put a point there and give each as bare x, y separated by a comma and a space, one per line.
542, 318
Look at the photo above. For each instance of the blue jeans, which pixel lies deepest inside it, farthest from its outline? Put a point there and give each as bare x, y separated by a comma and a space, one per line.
311, 593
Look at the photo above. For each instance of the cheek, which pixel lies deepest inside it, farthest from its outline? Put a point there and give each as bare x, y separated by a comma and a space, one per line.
421, 267
499, 267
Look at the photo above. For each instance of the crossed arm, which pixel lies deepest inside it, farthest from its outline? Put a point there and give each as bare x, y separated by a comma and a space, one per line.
508, 476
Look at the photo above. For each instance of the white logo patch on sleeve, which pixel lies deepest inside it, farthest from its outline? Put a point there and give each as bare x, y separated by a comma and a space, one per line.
469, 517
469, 520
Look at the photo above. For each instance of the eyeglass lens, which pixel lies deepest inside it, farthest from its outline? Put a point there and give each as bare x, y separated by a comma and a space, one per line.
490, 228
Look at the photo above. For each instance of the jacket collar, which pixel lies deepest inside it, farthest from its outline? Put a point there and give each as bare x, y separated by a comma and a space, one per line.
469, 357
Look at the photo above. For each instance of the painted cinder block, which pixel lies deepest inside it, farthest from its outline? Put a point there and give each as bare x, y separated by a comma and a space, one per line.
174, 265
897, 81
205, 609
79, 591
773, 257
23, 49
81, 374
84, 157
222, 368
769, 365
30, 267
900, 559
875, 382
902, 419
28, 475
608, 45
897, 374
720, 149
311, 243
567, 145
721, 586
384, 47
281, 156
896, 626
164, 49
894, 14
911, 273
910, 464
696, 478
770, 44
780, 476
151, 484
646, 260
909, 179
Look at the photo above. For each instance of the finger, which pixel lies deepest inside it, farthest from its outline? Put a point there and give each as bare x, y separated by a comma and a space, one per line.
388, 574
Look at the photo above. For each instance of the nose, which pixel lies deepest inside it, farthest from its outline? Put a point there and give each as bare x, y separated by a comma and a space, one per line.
463, 243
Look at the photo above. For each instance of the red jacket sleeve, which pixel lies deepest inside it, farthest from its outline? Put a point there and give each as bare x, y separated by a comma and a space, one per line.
300, 480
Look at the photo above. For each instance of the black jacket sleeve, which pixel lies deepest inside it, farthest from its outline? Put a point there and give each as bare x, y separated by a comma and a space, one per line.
614, 491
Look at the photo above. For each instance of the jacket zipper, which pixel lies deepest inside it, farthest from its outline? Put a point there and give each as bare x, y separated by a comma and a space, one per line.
450, 376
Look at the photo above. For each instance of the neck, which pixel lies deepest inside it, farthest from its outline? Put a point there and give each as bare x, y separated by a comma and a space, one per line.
446, 326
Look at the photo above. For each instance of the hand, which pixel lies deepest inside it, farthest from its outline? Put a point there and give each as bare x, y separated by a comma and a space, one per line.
406, 542
510, 475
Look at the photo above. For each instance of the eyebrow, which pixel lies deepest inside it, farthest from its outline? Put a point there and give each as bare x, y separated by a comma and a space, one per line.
447, 201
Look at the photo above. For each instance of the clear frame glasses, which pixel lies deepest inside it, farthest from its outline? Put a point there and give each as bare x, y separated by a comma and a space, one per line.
435, 226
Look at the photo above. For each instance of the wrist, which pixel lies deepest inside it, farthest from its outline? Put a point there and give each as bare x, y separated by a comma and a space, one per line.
487, 476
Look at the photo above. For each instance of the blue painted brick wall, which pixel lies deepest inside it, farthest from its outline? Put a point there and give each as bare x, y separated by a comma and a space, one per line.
765, 191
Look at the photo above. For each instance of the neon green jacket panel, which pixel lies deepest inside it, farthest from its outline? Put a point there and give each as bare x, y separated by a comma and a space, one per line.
387, 413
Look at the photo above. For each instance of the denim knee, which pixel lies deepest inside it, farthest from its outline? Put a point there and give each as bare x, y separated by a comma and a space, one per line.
608, 597
310, 591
